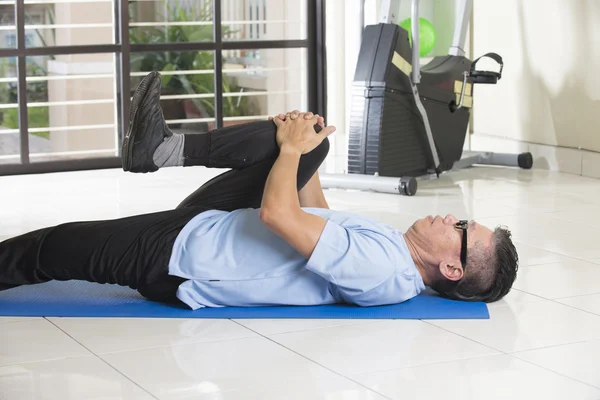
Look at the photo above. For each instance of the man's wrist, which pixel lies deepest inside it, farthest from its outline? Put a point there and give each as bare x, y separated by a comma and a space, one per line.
290, 149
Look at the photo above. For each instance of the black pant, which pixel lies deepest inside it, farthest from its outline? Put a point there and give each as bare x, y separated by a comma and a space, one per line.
135, 251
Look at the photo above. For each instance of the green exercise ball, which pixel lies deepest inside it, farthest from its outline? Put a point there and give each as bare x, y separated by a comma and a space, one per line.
427, 35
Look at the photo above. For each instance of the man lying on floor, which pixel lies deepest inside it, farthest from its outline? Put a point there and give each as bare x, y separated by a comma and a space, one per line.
261, 233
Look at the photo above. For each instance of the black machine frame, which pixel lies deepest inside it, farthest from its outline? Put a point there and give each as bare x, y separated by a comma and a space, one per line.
409, 121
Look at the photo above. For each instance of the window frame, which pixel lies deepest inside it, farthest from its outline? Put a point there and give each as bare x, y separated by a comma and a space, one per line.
123, 49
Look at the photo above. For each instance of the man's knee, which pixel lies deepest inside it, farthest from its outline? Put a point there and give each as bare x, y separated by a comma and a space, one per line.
321, 151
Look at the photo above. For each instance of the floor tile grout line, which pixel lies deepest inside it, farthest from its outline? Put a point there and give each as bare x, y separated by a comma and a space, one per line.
501, 353
172, 345
553, 301
317, 363
363, 321
432, 363
550, 300
552, 346
575, 308
104, 361
512, 354
559, 303
169, 345
556, 373
462, 336
522, 291
553, 252
42, 361
578, 295
24, 320
517, 241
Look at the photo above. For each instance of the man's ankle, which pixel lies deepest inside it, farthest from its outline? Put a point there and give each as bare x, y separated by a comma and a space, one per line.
170, 152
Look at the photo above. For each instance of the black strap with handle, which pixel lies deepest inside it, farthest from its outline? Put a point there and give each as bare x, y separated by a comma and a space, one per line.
486, 76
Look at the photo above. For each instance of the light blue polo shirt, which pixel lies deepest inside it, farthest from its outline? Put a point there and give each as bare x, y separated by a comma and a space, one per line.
233, 259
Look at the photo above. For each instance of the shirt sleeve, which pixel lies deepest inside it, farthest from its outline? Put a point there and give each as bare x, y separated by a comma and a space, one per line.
356, 261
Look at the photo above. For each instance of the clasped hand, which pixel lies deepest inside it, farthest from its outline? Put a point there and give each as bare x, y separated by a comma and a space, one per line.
296, 132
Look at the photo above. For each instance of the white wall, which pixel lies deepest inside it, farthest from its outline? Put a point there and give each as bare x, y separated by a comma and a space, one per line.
343, 42
550, 90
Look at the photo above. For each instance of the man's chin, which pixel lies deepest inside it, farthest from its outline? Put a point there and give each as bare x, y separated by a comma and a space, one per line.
416, 224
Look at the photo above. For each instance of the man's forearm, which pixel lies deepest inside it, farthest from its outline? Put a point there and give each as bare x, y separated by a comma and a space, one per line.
281, 194
281, 211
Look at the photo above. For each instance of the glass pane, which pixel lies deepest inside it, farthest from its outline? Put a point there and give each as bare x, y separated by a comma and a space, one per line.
262, 83
263, 19
170, 21
188, 86
71, 106
68, 23
8, 30
10, 142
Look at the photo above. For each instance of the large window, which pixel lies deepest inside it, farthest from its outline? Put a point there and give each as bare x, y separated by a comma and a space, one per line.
69, 68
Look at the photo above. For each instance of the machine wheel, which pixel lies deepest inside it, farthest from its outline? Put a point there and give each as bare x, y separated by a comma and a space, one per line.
525, 160
408, 186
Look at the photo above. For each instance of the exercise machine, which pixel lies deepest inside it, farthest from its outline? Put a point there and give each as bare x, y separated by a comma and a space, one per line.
409, 122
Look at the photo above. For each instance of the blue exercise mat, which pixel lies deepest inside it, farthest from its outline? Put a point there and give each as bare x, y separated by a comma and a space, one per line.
84, 299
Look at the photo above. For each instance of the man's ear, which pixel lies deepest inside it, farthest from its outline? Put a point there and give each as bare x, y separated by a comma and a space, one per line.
451, 270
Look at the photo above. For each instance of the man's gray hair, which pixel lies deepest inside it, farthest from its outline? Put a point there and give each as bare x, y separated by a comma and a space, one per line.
489, 273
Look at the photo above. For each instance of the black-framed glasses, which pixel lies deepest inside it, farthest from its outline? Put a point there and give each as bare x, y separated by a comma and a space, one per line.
463, 226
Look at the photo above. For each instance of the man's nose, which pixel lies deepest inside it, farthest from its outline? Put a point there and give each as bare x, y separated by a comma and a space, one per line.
450, 219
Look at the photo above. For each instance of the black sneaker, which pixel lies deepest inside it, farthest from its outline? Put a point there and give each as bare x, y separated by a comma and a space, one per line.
147, 126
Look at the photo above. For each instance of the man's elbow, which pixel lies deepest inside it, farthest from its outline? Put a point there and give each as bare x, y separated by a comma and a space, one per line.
277, 218
270, 216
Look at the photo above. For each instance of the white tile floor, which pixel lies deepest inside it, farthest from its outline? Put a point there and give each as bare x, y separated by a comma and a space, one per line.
542, 341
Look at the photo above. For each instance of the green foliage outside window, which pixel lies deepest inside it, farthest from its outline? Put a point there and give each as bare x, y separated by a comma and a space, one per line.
168, 61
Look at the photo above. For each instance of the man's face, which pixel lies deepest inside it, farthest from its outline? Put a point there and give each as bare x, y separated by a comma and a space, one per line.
443, 240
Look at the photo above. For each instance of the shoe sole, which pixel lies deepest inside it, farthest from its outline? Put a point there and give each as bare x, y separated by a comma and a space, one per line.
129, 139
